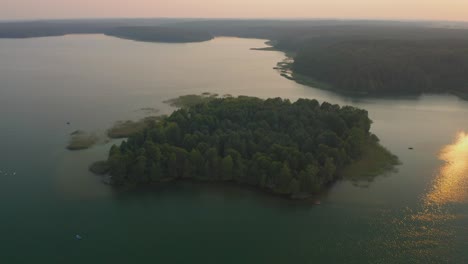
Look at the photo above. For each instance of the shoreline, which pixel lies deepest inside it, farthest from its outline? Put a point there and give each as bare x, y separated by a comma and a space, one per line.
285, 69
154, 41
373, 161
377, 158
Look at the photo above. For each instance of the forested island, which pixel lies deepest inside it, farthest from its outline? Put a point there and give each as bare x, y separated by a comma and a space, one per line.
290, 149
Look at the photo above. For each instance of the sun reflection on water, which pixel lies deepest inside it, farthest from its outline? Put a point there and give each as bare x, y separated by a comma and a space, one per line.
426, 234
451, 185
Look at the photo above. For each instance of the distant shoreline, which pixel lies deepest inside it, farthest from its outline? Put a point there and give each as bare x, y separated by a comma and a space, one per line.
160, 34
352, 58
285, 68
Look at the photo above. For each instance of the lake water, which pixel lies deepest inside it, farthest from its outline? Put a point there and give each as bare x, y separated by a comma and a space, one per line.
417, 214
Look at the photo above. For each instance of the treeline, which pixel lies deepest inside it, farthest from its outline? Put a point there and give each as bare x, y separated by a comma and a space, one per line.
45, 28
387, 66
33, 29
352, 56
160, 34
365, 57
275, 145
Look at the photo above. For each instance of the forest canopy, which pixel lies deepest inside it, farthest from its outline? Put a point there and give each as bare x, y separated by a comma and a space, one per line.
387, 66
275, 145
160, 34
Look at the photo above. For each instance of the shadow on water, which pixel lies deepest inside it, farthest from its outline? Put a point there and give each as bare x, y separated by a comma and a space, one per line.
365, 181
209, 192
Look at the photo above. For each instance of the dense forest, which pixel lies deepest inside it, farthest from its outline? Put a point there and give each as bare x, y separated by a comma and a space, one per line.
160, 34
278, 146
386, 66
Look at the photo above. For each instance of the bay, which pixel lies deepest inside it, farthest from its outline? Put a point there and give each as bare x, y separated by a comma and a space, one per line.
417, 214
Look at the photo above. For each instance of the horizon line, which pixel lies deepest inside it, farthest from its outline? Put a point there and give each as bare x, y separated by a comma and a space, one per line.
235, 18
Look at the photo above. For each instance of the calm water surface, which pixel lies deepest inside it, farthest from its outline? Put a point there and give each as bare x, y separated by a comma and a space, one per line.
417, 214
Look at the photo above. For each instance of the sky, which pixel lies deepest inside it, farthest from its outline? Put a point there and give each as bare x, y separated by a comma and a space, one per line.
456, 10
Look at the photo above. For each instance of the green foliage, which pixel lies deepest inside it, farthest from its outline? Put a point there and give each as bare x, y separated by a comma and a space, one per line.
99, 168
191, 99
125, 129
281, 147
159, 34
227, 168
369, 65
82, 140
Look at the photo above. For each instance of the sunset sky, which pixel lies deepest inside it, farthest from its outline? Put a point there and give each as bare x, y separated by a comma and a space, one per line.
368, 9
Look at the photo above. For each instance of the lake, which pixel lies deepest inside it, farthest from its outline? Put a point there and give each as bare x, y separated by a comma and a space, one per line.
415, 214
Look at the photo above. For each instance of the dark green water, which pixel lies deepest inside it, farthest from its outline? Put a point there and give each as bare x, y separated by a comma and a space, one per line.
418, 214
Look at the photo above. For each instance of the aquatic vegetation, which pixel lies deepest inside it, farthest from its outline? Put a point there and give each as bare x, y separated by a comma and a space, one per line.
82, 140
192, 99
149, 110
376, 160
125, 129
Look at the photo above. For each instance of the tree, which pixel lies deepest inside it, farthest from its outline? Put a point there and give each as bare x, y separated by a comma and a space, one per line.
118, 166
284, 179
328, 170
172, 133
172, 166
155, 172
294, 187
153, 151
227, 168
138, 172
197, 162
308, 180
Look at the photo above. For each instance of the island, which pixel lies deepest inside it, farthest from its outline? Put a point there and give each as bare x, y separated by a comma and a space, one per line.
292, 149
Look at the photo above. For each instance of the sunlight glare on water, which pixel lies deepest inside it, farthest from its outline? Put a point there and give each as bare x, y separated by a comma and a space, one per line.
450, 185
426, 235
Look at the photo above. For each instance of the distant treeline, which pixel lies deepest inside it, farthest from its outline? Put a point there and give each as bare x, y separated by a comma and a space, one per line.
160, 34
136, 29
365, 57
278, 146
371, 57
34, 29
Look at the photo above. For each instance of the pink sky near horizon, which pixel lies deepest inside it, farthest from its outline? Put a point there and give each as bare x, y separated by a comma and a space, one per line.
365, 9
